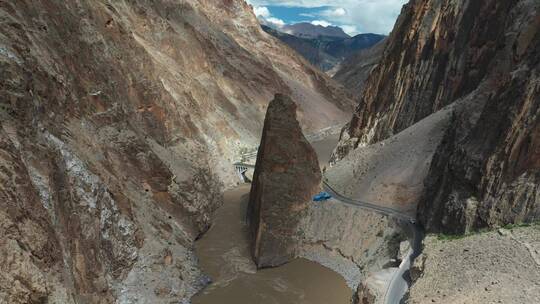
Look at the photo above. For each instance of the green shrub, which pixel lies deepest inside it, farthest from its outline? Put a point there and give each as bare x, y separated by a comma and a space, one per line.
4, 109
452, 237
520, 225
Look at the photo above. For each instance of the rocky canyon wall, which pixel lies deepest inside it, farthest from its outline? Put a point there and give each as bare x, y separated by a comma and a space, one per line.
480, 59
119, 124
354, 71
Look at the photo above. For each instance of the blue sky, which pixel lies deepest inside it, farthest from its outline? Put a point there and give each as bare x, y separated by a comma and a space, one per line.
354, 16
296, 14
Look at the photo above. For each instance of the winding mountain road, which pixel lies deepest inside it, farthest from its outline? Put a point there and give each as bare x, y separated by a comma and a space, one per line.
365, 205
398, 286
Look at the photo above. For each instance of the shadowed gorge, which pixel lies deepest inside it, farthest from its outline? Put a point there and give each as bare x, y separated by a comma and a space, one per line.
173, 151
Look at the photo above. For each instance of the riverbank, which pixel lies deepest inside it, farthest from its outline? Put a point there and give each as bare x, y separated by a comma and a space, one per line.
334, 254
223, 253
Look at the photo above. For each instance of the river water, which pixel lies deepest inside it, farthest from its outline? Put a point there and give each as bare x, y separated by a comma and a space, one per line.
224, 255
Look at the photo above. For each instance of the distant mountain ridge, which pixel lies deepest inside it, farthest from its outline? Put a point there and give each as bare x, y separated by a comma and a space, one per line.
308, 30
325, 51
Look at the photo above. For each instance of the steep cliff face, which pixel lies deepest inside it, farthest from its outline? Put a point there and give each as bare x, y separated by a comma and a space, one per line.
352, 241
354, 71
286, 176
482, 58
119, 124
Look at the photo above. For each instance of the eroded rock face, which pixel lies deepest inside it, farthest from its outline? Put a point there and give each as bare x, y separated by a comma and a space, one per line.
286, 176
350, 240
119, 124
484, 54
365, 295
27, 240
354, 71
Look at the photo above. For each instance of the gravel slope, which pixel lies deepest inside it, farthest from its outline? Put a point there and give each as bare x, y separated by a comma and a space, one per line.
496, 267
391, 173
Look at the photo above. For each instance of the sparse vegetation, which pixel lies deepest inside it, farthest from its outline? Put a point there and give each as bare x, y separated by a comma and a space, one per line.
452, 237
521, 225
4, 109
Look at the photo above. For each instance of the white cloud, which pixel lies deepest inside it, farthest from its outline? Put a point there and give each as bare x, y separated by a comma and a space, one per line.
321, 23
262, 12
264, 15
351, 30
336, 12
275, 22
369, 16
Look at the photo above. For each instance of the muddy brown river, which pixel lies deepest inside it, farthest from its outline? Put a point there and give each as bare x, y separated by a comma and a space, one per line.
224, 255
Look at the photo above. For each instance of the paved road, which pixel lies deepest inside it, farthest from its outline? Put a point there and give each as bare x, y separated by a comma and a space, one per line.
365, 205
398, 286
399, 283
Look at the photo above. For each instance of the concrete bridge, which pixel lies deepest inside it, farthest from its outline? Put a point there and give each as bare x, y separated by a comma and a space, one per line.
242, 169
246, 165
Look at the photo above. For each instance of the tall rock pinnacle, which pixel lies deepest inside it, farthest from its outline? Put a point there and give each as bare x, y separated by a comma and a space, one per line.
287, 174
